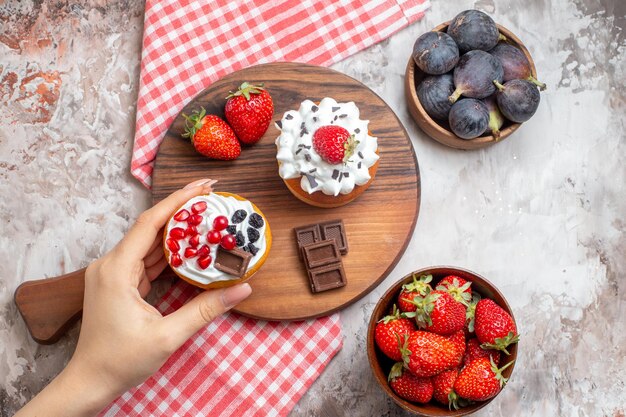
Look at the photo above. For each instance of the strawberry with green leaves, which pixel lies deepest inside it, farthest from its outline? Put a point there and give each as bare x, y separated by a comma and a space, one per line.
480, 380
439, 313
249, 111
474, 351
443, 384
426, 354
495, 328
417, 288
457, 287
410, 387
334, 144
391, 332
211, 136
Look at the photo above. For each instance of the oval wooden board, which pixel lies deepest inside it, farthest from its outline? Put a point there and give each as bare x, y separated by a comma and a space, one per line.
379, 224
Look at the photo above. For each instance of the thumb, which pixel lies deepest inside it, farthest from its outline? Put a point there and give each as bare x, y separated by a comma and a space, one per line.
197, 313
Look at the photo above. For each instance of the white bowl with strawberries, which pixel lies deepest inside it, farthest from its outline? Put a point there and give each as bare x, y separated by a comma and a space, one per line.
442, 341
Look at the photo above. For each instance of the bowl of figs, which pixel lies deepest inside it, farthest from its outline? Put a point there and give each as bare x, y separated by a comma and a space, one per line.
470, 82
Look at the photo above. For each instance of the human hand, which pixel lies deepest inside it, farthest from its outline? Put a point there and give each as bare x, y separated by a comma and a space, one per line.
123, 339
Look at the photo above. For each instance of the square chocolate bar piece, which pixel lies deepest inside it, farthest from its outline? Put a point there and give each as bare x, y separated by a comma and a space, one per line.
234, 262
327, 277
335, 229
321, 253
307, 234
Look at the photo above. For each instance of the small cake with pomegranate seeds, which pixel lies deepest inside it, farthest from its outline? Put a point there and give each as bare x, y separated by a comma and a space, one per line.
326, 155
217, 240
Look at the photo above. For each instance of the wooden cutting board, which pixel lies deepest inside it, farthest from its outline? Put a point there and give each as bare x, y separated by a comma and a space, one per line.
379, 224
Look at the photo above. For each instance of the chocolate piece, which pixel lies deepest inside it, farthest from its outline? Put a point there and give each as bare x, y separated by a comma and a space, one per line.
312, 170
357, 130
289, 117
311, 179
234, 262
298, 151
335, 174
279, 123
322, 253
359, 165
315, 119
302, 125
306, 235
360, 155
335, 229
314, 108
307, 157
334, 109
346, 174
335, 118
341, 116
327, 277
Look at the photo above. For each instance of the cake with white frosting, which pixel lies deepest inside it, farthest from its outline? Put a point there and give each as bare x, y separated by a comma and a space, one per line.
316, 174
207, 224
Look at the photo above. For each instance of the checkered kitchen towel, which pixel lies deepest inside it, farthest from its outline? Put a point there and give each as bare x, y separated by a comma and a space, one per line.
237, 366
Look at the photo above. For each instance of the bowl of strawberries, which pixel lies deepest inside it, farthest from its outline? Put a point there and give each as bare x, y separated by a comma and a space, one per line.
442, 341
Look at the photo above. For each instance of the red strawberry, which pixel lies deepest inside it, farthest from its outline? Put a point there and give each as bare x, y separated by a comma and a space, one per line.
480, 380
474, 351
438, 312
334, 144
426, 354
495, 328
413, 289
211, 136
391, 332
408, 386
249, 111
458, 339
443, 385
457, 287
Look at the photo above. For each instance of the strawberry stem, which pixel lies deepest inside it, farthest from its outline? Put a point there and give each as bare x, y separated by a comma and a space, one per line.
498, 372
396, 371
193, 123
245, 89
501, 343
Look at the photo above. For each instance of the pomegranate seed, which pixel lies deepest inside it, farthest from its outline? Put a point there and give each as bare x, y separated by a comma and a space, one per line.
203, 251
175, 260
190, 252
220, 223
194, 241
172, 244
194, 219
228, 242
177, 233
214, 237
199, 207
181, 216
205, 261
191, 231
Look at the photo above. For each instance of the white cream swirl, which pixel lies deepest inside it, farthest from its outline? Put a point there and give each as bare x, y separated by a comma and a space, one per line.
217, 205
298, 159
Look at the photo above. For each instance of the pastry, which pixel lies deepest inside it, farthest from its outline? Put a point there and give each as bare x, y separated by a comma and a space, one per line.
217, 240
326, 155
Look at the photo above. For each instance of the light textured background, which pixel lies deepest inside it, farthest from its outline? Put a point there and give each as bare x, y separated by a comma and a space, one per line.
542, 215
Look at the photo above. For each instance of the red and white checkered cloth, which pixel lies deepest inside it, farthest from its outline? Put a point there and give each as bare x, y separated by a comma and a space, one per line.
234, 367
187, 45
237, 366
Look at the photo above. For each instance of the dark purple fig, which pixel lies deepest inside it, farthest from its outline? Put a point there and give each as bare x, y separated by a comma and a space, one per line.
515, 64
469, 118
474, 75
435, 53
433, 93
473, 29
496, 119
518, 99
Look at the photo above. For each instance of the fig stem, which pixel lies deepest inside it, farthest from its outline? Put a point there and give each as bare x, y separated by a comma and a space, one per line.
455, 96
502, 38
498, 85
538, 83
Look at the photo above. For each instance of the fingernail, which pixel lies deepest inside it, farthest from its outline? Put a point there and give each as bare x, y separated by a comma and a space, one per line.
234, 295
196, 183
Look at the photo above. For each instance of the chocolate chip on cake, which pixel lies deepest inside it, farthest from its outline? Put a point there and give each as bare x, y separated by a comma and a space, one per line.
279, 124
334, 109
289, 117
314, 108
256, 220
253, 235
357, 130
